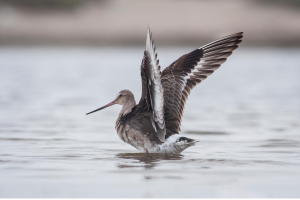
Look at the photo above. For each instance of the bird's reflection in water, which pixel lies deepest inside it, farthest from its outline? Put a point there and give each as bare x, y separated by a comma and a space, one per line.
147, 161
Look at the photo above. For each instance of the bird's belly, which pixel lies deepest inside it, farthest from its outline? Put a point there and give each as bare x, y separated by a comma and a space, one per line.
141, 142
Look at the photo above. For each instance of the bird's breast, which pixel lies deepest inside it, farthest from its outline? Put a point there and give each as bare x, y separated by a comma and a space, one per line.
133, 136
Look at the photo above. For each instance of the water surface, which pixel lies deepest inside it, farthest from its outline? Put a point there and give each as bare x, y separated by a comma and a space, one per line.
246, 116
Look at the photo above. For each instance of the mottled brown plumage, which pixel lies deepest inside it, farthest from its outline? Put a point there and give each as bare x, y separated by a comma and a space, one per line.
154, 123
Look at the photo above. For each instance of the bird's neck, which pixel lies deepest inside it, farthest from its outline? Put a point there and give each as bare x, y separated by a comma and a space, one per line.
127, 107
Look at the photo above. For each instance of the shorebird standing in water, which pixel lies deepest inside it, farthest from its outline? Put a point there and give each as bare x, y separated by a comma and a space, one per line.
153, 125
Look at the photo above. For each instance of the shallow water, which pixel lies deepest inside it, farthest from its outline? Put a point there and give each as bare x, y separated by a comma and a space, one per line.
246, 116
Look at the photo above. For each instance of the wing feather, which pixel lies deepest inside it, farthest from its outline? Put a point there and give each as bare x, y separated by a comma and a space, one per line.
152, 88
189, 70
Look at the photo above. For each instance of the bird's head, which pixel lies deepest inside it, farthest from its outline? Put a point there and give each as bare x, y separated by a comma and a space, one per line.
123, 97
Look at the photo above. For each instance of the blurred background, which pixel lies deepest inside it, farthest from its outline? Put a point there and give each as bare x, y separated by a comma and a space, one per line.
103, 22
60, 59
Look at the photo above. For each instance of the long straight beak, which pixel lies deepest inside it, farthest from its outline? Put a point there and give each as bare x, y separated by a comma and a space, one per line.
110, 104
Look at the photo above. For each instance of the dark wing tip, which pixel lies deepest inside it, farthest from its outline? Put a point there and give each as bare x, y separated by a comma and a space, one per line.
236, 34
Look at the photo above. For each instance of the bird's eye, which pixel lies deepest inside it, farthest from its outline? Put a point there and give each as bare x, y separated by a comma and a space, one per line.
120, 95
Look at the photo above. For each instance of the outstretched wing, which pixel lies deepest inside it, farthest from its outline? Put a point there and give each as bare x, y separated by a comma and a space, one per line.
152, 89
190, 69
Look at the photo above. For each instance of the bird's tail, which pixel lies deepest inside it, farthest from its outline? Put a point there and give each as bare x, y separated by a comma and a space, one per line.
175, 144
183, 143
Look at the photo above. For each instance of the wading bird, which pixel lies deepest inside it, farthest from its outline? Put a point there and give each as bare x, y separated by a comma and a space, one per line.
153, 125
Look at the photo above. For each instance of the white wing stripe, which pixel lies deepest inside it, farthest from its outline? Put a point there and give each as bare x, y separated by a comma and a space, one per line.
158, 96
214, 54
